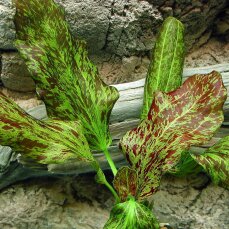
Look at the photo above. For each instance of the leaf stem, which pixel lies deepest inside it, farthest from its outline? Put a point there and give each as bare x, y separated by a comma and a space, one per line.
110, 161
117, 199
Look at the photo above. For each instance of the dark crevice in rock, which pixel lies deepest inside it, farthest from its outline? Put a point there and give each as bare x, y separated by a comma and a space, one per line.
109, 26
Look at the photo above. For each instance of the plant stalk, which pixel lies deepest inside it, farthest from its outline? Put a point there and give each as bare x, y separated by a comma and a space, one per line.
117, 199
110, 162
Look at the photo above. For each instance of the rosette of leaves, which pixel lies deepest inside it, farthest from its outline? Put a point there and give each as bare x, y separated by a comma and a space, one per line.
67, 81
176, 120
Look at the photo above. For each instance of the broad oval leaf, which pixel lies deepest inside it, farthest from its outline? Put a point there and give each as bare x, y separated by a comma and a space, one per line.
215, 161
66, 79
166, 67
131, 215
125, 182
50, 142
176, 120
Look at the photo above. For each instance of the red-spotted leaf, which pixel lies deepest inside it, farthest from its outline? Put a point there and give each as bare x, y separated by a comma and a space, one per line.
125, 182
49, 142
215, 161
67, 81
176, 120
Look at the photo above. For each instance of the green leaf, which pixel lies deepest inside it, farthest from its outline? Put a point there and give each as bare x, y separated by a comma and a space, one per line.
166, 68
50, 142
215, 161
131, 215
187, 116
66, 79
125, 182
186, 166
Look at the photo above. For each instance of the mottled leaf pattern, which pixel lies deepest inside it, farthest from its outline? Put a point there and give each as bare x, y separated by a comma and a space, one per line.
166, 67
176, 120
125, 182
215, 162
46, 143
50, 142
66, 79
131, 215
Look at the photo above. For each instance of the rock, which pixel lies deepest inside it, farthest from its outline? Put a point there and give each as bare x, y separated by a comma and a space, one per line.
134, 68
24, 100
198, 16
88, 20
15, 75
183, 206
222, 25
81, 203
214, 52
56, 204
119, 70
7, 30
123, 28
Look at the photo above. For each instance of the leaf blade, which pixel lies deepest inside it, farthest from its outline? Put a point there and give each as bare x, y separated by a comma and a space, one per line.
187, 116
186, 166
67, 80
49, 142
215, 161
125, 182
131, 214
166, 67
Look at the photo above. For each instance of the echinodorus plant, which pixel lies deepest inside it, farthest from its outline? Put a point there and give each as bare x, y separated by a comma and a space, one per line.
174, 117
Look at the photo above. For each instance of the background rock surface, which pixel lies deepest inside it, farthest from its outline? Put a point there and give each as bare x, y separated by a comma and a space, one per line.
126, 27
80, 203
15, 75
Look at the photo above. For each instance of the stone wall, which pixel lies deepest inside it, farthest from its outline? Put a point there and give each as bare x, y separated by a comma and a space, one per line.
80, 203
120, 35
125, 27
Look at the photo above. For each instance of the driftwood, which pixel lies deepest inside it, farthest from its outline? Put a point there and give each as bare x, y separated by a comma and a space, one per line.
124, 117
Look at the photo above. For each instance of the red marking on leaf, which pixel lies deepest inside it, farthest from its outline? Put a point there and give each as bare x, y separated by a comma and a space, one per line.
58, 128
142, 134
75, 133
10, 122
7, 128
30, 144
148, 137
134, 148
41, 157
